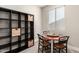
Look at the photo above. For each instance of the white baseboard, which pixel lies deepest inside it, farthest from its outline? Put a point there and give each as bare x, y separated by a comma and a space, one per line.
73, 49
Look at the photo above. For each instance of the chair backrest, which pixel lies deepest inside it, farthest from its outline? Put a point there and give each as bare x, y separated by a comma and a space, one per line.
42, 39
64, 40
45, 33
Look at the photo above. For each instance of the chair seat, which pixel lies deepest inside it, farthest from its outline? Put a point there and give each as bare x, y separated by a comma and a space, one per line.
45, 44
60, 46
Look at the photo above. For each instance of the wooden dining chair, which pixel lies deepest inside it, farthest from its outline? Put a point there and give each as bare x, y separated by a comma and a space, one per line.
61, 45
44, 45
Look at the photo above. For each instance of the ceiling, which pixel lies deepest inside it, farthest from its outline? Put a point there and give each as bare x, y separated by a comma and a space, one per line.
41, 6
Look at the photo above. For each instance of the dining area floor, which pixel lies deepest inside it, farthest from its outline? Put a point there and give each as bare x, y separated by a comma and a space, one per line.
33, 49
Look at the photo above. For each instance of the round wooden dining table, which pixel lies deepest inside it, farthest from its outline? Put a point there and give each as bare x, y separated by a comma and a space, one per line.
51, 38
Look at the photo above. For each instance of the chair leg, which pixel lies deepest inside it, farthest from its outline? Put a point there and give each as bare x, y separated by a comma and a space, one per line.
50, 48
45, 49
42, 49
53, 49
38, 49
59, 50
66, 49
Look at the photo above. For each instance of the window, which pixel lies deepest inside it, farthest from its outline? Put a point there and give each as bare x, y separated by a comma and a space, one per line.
56, 14
56, 22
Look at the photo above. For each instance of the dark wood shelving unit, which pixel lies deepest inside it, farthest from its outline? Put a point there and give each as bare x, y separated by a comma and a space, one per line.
16, 31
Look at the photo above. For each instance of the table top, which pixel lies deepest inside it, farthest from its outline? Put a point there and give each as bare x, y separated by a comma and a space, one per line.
53, 37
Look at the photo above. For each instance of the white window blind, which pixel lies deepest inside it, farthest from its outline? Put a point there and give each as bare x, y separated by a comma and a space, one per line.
55, 16
52, 16
59, 13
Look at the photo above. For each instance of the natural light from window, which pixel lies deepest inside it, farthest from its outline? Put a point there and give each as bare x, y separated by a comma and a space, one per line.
56, 14
59, 13
52, 16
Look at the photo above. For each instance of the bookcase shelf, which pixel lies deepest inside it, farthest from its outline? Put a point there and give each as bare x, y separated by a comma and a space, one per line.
4, 19
14, 22
2, 37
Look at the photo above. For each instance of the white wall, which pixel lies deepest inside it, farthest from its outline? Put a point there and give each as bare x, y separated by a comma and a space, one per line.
72, 25
35, 10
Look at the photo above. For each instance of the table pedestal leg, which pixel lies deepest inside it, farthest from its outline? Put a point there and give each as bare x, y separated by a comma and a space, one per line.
51, 46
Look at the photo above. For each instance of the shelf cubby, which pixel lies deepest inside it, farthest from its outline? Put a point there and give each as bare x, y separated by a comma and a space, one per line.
22, 44
23, 17
22, 37
4, 23
14, 39
14, 46
4, 50
4, 14
14, 16
14, 24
